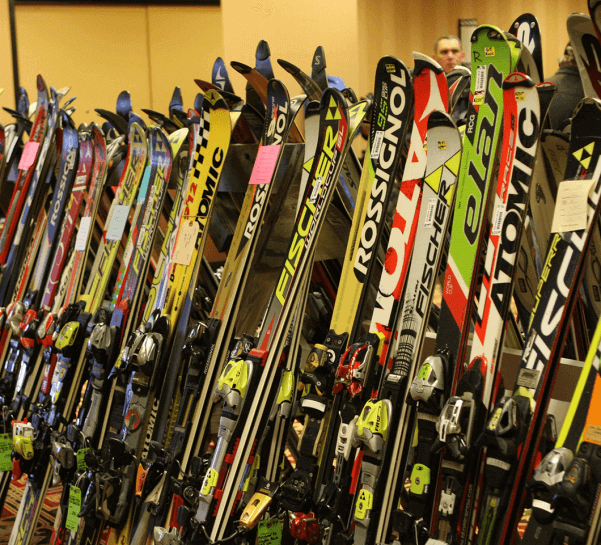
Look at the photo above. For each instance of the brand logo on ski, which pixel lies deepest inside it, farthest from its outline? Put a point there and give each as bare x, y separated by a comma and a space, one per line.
277, 129
584, 155
385, 164
305, 225
441, 180
61, 189
479, 166
527, 134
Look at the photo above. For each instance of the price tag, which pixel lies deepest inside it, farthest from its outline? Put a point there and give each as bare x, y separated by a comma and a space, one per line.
497, 224
430, 213
30, 151
6, 449
571, 206
378, 139
269, 532
118, 220
81, 458
82, 235
184, 245
480, 86
264, 166
74, 508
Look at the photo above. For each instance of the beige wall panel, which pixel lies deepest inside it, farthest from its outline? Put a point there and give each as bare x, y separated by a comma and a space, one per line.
293, 31
98, 51
416, 25
7, 98
183, 44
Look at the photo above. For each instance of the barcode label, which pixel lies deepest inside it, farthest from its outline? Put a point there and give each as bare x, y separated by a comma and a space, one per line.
430, 213
378, 139
480, 78
497, 224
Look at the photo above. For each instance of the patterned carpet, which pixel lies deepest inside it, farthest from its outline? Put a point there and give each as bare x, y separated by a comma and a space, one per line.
11, 506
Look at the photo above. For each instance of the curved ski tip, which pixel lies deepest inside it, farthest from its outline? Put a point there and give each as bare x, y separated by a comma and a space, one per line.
516, 79
319, 57
461, 70
492, 32
422, 61
241, 67
587, 102
205, 85
438, 118
288, 66
263, 52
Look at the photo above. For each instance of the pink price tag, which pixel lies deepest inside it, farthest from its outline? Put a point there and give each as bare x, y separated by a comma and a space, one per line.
30, 151
265, 162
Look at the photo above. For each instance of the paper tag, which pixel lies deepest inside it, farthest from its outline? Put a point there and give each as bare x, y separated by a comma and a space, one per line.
118, 220
6, 449
82, 235
571, 206
316, 188
264, 166
497, 223
480, 79
378, 139
74, 508
184, 246
30, 151
81, 458
430, 213
269, 532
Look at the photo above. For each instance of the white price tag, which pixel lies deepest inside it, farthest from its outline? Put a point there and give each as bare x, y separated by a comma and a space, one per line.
571, 206
82, 235
430, 213
118, 220
378, 139
497, 224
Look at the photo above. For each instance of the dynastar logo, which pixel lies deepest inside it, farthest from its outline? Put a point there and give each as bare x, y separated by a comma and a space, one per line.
386, 165
304, 224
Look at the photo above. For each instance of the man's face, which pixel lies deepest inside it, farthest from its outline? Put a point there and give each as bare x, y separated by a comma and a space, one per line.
449, 55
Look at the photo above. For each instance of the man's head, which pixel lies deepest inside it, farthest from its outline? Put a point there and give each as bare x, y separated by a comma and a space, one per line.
448, 53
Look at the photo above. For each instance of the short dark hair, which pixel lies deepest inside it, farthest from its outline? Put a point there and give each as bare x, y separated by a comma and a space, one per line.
447, 37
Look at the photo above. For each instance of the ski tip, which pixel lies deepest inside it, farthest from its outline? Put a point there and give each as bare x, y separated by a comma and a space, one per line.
423, 61
438, 118
241, 67
491, 31
263, 52
516, 79
288, 66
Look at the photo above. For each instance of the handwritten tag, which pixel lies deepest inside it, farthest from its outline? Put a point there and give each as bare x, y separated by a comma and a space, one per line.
269, 532
571, 206
184, 246
6, 449
264, 165
82, 235
74, 508
30, 152
118, 220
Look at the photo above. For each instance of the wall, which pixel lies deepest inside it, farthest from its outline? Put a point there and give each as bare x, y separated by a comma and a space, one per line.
7, 98
400, 27
100, 50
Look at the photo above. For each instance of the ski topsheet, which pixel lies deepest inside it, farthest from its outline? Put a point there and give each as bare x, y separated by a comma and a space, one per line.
548, 328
